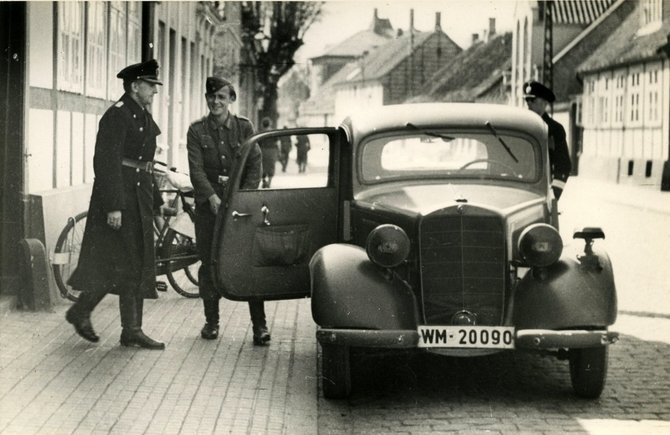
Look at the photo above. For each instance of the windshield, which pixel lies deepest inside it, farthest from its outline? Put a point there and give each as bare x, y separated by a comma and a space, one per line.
449, 154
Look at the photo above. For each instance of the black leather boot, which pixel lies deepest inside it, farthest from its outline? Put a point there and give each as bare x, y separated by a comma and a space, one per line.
79, 315
131, 308
211, 329
261, 332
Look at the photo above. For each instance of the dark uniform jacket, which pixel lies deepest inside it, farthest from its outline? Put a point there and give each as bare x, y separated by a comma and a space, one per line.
559, 156
124, 259
213, 152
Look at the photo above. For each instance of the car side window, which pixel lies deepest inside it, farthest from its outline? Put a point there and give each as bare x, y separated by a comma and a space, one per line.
294, 161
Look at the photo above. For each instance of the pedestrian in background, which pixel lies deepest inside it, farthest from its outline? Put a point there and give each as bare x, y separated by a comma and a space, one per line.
302, 147
213, 144
538, 97
117, 250
270, 152
284, 150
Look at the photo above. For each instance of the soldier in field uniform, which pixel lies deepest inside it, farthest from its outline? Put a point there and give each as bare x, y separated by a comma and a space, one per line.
117, 251
213, 144
537, 98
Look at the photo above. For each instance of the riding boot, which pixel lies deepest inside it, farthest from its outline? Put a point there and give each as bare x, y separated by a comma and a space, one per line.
211, 329
79, 314
261, 332
130, 308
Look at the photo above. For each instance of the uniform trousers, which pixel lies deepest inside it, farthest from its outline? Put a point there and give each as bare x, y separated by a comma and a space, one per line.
205, 221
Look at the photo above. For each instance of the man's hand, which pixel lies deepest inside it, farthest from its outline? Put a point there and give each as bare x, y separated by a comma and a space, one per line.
114, 219
214, 203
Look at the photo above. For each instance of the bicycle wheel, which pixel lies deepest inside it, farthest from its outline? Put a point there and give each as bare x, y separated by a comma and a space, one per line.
66, 254
182, 261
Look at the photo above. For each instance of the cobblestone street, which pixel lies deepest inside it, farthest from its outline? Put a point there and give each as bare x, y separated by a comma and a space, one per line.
51, 381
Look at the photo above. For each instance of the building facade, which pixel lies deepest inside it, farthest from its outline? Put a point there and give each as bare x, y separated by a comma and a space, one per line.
626, 100
57, 100
576, 28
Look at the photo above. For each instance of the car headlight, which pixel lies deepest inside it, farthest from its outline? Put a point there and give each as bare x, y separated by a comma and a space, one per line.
387, 245
540, 245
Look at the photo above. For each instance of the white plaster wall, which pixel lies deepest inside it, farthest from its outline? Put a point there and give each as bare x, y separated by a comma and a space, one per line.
63, 148
39, 148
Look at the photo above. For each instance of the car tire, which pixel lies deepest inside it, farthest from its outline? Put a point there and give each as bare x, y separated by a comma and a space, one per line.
588, 371
335, 371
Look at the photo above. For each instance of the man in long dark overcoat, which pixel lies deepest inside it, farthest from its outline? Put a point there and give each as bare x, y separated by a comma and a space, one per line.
117, 253
538, 97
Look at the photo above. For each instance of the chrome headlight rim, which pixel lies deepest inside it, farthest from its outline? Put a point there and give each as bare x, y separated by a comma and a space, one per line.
540, 245
387, 246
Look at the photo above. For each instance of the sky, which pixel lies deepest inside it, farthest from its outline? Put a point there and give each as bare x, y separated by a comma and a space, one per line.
460, 19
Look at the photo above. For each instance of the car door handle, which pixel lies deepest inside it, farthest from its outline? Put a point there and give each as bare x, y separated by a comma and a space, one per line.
266, 212
237, 214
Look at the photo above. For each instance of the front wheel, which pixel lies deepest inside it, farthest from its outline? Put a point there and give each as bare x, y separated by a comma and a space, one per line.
66, 254
588, 371
335, 371
181, 256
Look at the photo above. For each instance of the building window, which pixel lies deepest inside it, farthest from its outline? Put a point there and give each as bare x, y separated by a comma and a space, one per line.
604, 110
634, 92
117, 41
96, 41
134, 32
652, 12
70, 46
653, 97
619, 99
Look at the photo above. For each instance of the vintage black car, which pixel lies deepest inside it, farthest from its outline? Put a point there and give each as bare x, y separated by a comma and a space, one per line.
428, 227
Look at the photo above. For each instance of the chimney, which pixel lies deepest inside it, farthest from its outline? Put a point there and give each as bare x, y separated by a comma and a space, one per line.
492, 27
475, 38
411, 20
376, 16
438, 18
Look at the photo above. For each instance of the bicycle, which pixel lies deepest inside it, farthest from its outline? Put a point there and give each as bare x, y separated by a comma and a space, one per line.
175, 244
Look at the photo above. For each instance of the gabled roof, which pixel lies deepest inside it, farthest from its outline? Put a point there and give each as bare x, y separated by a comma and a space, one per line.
584, 45
378, 33
383, 60
625, 46
355, 45
579, 11
471, 72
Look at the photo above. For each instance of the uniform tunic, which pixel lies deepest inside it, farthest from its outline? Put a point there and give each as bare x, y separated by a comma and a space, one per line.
121, 260
559, 157
213, 152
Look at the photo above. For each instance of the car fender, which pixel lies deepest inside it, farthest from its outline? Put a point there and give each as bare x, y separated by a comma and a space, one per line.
576, 292
349, 291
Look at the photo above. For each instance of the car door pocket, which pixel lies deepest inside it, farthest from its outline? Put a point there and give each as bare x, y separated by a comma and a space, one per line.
281, 245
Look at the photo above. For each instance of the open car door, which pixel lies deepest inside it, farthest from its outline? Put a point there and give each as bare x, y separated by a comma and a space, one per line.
265, 237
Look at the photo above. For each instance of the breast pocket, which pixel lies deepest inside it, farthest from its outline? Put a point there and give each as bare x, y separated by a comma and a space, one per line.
209, 149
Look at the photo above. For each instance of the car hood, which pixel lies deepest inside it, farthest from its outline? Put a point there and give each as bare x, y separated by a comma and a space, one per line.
425, 199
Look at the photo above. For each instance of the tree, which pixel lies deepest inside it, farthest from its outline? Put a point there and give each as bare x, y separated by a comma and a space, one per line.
271, 33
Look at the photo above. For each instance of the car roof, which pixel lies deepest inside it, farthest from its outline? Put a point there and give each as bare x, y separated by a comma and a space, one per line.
434, 115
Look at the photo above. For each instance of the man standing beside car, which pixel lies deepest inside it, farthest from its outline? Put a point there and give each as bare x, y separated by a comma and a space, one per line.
213, 144
538, 97
117, 251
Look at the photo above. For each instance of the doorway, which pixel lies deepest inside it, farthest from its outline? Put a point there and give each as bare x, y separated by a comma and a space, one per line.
12, 103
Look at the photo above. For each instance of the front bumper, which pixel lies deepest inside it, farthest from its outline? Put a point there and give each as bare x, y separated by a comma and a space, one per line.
533, 339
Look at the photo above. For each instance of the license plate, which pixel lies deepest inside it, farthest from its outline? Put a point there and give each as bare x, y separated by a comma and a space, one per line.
467, 337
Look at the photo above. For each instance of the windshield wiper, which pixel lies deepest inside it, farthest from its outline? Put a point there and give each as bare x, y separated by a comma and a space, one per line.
493, 131
430, 133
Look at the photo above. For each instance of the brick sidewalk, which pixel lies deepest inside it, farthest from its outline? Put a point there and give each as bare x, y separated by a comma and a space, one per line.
52, 381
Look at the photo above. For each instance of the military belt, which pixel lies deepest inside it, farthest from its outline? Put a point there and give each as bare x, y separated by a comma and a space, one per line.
138, 164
